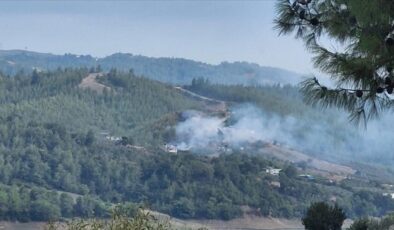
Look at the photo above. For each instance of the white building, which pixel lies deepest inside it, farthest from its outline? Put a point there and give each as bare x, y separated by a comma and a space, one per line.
170, 148
389, 194
113, 138
273, 171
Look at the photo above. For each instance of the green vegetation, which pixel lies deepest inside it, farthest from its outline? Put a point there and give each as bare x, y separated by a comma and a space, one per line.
362, 65
55, 98
122, 218
321, 216
276, 99
27, 203
169, 70
53, 156
326, 134
385, 223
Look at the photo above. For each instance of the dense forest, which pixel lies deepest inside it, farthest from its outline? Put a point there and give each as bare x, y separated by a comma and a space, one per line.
56, 160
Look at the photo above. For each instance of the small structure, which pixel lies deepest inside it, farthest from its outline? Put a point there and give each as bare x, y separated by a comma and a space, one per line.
113, 138
387, 186
333, 199
275, 184
273, 171
104, 133
389, 195
170, 148
307, 176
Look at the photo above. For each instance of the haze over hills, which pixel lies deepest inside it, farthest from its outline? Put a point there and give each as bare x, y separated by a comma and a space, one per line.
170, 70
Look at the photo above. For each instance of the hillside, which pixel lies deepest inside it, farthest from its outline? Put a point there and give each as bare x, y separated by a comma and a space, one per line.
327, 134
170, 70
106, 147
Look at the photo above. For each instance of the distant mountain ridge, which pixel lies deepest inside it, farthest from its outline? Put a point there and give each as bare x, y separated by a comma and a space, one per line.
164, 69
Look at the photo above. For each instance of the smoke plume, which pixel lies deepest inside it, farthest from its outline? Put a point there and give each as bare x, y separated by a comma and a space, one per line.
334, 137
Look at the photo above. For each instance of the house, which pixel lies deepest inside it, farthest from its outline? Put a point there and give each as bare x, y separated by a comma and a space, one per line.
113, 138
273, 171
170, 148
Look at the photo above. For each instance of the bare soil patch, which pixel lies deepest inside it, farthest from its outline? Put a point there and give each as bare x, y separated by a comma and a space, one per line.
90, 82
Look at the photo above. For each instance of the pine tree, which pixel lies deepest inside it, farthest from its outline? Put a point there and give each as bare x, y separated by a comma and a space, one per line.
363, 71
321, 216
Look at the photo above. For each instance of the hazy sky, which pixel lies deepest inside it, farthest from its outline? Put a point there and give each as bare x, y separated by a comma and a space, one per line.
208, 31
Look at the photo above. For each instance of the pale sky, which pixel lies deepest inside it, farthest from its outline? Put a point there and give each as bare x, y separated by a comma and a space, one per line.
208, 31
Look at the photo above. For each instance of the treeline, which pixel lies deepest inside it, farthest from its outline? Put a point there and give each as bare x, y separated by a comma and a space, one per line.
168, 70
276, 99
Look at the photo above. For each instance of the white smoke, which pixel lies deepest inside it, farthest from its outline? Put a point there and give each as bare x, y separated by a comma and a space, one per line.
248, 125
198, 131
335, 137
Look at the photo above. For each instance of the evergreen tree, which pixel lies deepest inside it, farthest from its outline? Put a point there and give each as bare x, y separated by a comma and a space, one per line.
321, 216
362, 68
89, 138
66, 205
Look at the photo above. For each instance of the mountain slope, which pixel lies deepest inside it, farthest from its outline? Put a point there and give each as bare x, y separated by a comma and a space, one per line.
171, 70
57, 137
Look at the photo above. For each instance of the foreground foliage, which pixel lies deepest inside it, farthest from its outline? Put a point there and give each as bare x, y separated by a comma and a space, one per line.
121, 219
386, 223
361, 66
321, 216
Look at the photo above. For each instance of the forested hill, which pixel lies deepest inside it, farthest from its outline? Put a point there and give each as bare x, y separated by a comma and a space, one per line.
171, 70
73, 151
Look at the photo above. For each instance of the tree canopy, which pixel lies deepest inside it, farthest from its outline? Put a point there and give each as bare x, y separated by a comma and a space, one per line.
321, 216
57, 158
361, 67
